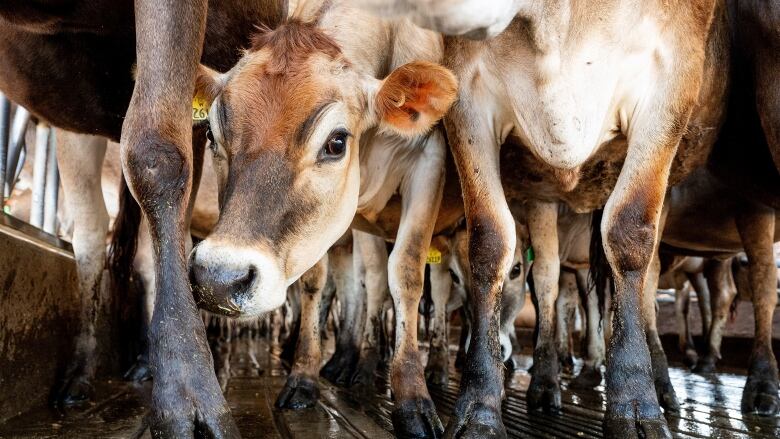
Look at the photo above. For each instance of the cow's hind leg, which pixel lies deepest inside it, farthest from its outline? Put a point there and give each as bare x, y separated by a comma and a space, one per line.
544, 390
437, 369
663, 385
718, 275
80, 159
372, 252
756, 228
590, 375
301, 389
342, 365
682, 306
566, 309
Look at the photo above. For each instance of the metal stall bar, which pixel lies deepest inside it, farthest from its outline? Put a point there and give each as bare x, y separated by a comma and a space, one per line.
39, 174
5, 134
52, 186
15, 150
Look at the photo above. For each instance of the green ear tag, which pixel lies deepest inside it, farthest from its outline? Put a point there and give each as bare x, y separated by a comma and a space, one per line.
529, 254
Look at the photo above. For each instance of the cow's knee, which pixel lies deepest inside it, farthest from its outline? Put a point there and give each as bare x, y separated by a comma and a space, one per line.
629, 239
158, 171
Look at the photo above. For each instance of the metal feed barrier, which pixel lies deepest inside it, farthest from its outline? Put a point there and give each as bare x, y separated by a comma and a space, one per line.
14, 153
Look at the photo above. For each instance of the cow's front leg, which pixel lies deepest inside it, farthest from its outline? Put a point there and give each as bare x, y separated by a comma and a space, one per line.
373, 256
756, 228
630, 228
421, 192
545, 389
301, 389
663, 385
437, 369
80, 161
341, 366
492, 236
157, 160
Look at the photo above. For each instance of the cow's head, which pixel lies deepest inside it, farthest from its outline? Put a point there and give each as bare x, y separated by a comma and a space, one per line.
285, 127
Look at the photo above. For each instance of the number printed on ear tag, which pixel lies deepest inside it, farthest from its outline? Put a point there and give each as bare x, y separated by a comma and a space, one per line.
434, 256
200, 108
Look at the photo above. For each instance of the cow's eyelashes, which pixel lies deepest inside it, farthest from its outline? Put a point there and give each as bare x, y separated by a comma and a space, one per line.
336, 145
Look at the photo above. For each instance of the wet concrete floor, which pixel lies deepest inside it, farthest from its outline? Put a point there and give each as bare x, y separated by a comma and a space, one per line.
252, 376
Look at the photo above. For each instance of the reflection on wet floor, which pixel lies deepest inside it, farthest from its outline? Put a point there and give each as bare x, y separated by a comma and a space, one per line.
252, 375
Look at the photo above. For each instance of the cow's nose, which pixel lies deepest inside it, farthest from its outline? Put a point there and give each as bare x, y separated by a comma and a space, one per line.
221, 289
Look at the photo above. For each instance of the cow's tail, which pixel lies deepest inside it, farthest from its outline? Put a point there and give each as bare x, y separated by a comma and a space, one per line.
600, 271
124, 241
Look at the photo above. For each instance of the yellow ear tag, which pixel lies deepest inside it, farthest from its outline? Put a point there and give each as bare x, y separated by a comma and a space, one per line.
434, 256
200, 108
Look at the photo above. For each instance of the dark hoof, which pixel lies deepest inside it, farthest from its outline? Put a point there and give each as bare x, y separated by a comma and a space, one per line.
760, 397
567, 362
630, 428
690, 358
76, 391
437, 376
705, 366
460, 360
139, 371
216, 426
667, 397
588, 378
340, 368
416, 418
299, 392
365, 375
544, 393
477, 422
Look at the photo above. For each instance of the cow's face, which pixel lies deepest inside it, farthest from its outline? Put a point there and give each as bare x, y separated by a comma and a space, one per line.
285, 126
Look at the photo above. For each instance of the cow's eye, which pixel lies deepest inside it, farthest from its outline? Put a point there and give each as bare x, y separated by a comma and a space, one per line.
335, 146
210, 135
516, 271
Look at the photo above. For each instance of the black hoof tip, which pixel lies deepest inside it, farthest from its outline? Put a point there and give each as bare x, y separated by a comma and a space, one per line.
760, 397
76, 392
139, 372
298, 393
544, 394
437, 377
479, 421
667, 398
416, 418
588, 378
630, 428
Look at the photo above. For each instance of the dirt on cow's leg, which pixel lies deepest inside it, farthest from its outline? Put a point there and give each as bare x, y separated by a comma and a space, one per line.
302, 389
756, 228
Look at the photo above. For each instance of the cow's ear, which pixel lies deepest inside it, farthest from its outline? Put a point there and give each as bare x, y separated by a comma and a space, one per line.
414, 97
207, 86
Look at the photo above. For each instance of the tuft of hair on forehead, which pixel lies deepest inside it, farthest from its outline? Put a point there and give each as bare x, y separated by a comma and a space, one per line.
291, 43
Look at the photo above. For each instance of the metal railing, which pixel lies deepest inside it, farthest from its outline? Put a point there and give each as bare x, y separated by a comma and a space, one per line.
14, 153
